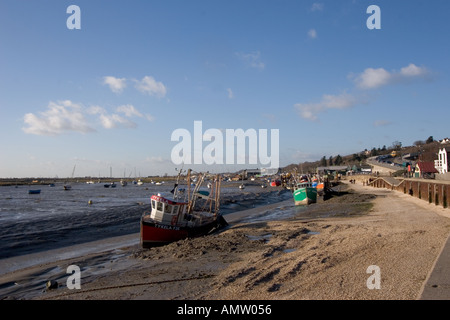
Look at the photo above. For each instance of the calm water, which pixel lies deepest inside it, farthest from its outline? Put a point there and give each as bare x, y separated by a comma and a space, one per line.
55, 218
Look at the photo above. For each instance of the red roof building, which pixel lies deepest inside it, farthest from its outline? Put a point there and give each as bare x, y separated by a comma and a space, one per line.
424, 169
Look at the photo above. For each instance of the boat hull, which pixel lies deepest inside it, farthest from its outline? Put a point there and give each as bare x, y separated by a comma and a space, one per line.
157, 234
306, 195
320, 188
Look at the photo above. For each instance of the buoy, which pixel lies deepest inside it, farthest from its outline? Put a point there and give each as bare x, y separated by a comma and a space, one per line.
90, 202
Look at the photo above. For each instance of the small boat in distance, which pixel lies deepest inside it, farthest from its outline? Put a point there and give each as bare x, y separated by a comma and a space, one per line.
111, 184
37, 191
67, 186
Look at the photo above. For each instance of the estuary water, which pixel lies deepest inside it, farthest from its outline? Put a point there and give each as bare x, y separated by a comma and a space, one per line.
55, 218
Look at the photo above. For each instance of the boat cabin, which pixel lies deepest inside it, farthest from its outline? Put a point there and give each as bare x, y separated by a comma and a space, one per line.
165, 210
304, 184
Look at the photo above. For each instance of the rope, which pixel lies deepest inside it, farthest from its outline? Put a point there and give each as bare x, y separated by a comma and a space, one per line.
72, 292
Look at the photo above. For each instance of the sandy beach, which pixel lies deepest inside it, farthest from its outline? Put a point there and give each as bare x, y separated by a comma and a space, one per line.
322, 253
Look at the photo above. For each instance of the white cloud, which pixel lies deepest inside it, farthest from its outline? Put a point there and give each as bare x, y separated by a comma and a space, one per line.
312, 33
230, 93
111, 121
375, 78
95, 110
114, 121
156, 160
151, 87
115, 84
317, 6
382, 123
129, 111
66, 116
252, 60
370, 78
413, 71
60, 117
310, 111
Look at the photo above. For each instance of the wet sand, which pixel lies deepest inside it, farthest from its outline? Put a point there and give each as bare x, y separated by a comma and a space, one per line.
319, 253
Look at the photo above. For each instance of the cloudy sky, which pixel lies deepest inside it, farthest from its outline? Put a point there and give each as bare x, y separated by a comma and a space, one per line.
111, 93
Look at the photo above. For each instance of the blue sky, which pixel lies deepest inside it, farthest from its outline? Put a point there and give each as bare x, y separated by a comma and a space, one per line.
109, 95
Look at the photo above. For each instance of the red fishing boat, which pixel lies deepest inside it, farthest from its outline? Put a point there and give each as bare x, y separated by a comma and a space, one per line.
178, 216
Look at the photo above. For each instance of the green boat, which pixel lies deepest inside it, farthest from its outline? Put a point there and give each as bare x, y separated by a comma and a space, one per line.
305, 193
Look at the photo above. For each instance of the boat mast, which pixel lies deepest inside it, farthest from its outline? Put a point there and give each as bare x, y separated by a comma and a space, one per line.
175, 188
194, 197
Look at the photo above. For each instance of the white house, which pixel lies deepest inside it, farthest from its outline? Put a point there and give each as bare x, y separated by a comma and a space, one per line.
441, 164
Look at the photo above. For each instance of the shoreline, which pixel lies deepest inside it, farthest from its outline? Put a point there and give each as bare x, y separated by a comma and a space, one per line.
90, 222
323, 254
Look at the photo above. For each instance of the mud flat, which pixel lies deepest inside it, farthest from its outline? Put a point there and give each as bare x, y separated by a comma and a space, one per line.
321, 252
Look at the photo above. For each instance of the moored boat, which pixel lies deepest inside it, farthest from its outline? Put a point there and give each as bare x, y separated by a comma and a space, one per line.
304, 193
320, 187
37, 191
275, 183
111, 184
174, 216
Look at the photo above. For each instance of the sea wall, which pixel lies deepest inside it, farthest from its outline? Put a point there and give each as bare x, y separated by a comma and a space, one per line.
437, 192
443, 176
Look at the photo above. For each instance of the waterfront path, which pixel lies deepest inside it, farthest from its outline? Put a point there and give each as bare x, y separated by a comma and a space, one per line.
437, 284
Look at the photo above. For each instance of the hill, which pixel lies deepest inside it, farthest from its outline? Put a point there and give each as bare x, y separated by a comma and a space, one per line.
424, 150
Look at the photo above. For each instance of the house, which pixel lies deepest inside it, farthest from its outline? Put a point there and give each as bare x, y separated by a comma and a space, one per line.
332, 169
444, 141
441, 164
364, 168
425, 170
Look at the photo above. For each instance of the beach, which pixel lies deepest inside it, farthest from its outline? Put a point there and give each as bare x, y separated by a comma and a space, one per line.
324, 253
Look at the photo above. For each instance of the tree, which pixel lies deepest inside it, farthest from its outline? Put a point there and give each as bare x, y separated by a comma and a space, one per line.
323, 162
429, 140
330, 161
356, 157
396, 145
373, 152
338, 160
